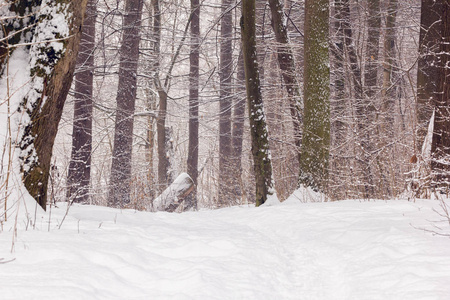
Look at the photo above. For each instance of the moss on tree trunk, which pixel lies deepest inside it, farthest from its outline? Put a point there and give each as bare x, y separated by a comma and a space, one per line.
316, 120
45, 116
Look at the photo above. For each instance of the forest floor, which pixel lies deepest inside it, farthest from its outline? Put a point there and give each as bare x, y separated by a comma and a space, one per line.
332, 250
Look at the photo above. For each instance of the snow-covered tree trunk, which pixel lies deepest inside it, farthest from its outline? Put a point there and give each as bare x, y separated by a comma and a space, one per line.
79, 174
45, 33
316, 120
119, 185
175, 194
262, 161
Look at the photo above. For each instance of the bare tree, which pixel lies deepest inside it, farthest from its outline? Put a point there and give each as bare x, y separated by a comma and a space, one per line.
238, 130
79, 174
192, 161
287, 65
119, 186
226, 97
262, 162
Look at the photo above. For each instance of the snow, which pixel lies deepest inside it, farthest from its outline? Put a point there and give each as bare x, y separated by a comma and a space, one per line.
426, 146
306, 194
13, 89
325, 250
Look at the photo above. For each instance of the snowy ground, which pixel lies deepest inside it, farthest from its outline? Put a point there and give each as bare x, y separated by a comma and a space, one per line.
338, 250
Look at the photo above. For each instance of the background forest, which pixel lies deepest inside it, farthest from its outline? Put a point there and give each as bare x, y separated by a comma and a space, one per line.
343, 95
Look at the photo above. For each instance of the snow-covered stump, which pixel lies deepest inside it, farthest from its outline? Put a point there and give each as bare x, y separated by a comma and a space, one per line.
174, 195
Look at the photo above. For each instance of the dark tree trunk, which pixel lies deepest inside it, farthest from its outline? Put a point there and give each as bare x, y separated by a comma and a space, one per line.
226, 94
260, 140
79, 174
287, 67
192, 161
373, 49
119, 185
388, 100
388, 91
316, 119
367, 126
39, 134
427, 68
440, 146
163, 159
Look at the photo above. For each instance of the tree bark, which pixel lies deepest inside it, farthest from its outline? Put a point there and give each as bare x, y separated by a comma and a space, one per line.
260, 140
119, 186
287, 67
54, 70
238, 130
373, 49
79, 174
194, 57
427, 68
316, 120
163, 159
226, 95
440, 146
388, 95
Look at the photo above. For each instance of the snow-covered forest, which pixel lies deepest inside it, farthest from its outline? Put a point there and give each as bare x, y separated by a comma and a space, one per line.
279, 149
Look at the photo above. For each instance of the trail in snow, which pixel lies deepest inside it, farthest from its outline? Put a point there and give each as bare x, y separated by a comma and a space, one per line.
337, 250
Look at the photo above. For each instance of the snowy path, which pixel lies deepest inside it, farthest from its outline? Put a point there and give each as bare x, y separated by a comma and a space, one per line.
341, 250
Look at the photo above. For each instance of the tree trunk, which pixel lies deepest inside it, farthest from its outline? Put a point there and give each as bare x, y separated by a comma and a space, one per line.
373, 49
119, 186
427, 68
163, 159
238, 130
388, 99
262, 162
79, 174
194, 57
368, 132
175, 194
226, 90
287, 67
440, 146
155, 37
316, 120
52, 68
